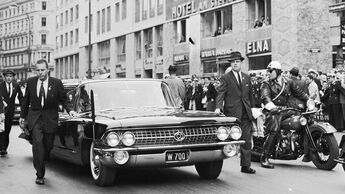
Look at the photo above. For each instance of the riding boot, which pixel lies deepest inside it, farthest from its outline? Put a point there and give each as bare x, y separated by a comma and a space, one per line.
265, 162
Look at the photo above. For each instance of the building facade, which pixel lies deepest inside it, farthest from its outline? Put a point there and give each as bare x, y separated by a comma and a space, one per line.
26, 34
67, 39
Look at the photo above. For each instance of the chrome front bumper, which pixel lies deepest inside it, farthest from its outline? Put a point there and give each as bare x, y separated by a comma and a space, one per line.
155, 155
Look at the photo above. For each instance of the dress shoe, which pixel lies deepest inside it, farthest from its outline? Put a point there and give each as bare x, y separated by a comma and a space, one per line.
265, 162
306, 158
39, 181
248, 170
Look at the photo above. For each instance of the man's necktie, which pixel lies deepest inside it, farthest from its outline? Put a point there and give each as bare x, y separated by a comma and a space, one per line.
9, 90
239, 78
42, 95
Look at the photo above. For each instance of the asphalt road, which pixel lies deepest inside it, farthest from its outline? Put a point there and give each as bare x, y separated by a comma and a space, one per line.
17, 175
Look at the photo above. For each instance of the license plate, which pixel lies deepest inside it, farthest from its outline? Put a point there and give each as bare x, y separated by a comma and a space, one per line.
177, 156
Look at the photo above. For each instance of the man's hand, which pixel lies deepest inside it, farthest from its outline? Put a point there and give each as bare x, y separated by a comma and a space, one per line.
22, 123
217, 111
5, 104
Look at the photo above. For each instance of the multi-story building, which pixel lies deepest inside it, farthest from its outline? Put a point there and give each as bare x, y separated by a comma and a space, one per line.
67, 39
27, 29
337, 33
141, 38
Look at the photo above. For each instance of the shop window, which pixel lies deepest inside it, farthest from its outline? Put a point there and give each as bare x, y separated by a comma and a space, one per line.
159, 41
180, 31
138, 45
259, 13
182, 69
104, 54
121, 49
148, 43
259, 62
217, 22
210, 67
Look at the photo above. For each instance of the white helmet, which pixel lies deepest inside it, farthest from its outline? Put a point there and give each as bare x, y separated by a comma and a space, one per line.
274, 65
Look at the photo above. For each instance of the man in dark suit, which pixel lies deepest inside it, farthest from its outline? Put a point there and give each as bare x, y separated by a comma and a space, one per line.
9, 90
235, 91
40, 107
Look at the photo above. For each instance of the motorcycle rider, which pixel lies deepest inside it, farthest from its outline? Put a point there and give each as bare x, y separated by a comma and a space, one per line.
276, 95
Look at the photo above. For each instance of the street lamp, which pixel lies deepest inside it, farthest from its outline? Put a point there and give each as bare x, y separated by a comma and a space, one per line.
89, 76
29, 37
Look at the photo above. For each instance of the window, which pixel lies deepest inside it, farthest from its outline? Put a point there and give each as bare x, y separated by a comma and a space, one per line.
121, 49
43, 39
57, 22
144, 9
108, 19
61, 19
76, 35
98, 22
44, 5
76, 12
86, 24
180, 31
91, 22
104, 54
117, 12
43, 21
71, 41
138, 45
148, 43
57, 43
159, 7
137, 10
103, 20
159, 36
66, 15
152, 8
215, 23
66, 39
124, 9
71, 12
259, 13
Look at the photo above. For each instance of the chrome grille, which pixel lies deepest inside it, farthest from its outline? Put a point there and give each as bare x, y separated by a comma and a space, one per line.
193, 135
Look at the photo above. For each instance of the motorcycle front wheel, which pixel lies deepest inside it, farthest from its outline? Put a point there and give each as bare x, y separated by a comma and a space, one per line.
327, 151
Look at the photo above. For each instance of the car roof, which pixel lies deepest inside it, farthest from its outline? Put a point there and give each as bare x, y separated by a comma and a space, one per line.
74, 83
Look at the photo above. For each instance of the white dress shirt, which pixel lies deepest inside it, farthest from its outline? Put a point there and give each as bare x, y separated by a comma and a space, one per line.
236, 75
9, 88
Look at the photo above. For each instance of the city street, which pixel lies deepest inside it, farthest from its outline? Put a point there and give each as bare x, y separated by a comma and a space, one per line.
17, 175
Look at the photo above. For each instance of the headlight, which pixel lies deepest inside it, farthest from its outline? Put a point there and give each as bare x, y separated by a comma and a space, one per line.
303, 121
235, 132
121, 157
128, 139
223, 133
112, 139
310, 105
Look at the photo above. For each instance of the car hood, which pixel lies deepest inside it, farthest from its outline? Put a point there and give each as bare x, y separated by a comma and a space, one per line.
145, 117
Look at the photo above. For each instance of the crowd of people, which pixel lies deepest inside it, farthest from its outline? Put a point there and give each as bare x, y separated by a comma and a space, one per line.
326, 88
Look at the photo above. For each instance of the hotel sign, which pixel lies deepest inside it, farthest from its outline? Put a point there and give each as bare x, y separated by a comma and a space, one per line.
214, 52
181, 8
337, 7
258, 47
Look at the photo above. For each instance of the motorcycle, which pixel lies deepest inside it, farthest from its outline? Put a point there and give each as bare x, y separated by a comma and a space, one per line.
301, 131
341, 159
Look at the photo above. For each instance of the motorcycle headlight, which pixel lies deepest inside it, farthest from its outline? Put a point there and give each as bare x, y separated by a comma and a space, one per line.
310, 105
112, 139
235, 132
128, 139
223, 133
303, 121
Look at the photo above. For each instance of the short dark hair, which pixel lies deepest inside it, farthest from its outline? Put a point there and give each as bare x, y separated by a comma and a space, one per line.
42, 61
172, 69
310, 76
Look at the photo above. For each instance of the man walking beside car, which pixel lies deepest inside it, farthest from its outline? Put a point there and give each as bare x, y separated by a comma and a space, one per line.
9, 90
40, 107
235, 91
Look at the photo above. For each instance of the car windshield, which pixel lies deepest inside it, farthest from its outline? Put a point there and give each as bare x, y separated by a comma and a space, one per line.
126, 94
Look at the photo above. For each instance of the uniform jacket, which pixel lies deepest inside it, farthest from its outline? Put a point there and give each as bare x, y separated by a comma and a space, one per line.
333, 93
270, 89
297, 102
256, 93
32, 110
10, 100
234, 96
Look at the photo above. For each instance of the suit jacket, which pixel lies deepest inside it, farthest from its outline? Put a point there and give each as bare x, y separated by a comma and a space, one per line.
234, 96
32, 110
10, 100
211, 92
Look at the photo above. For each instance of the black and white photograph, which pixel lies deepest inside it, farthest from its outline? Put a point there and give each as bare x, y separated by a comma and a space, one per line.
172, 96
